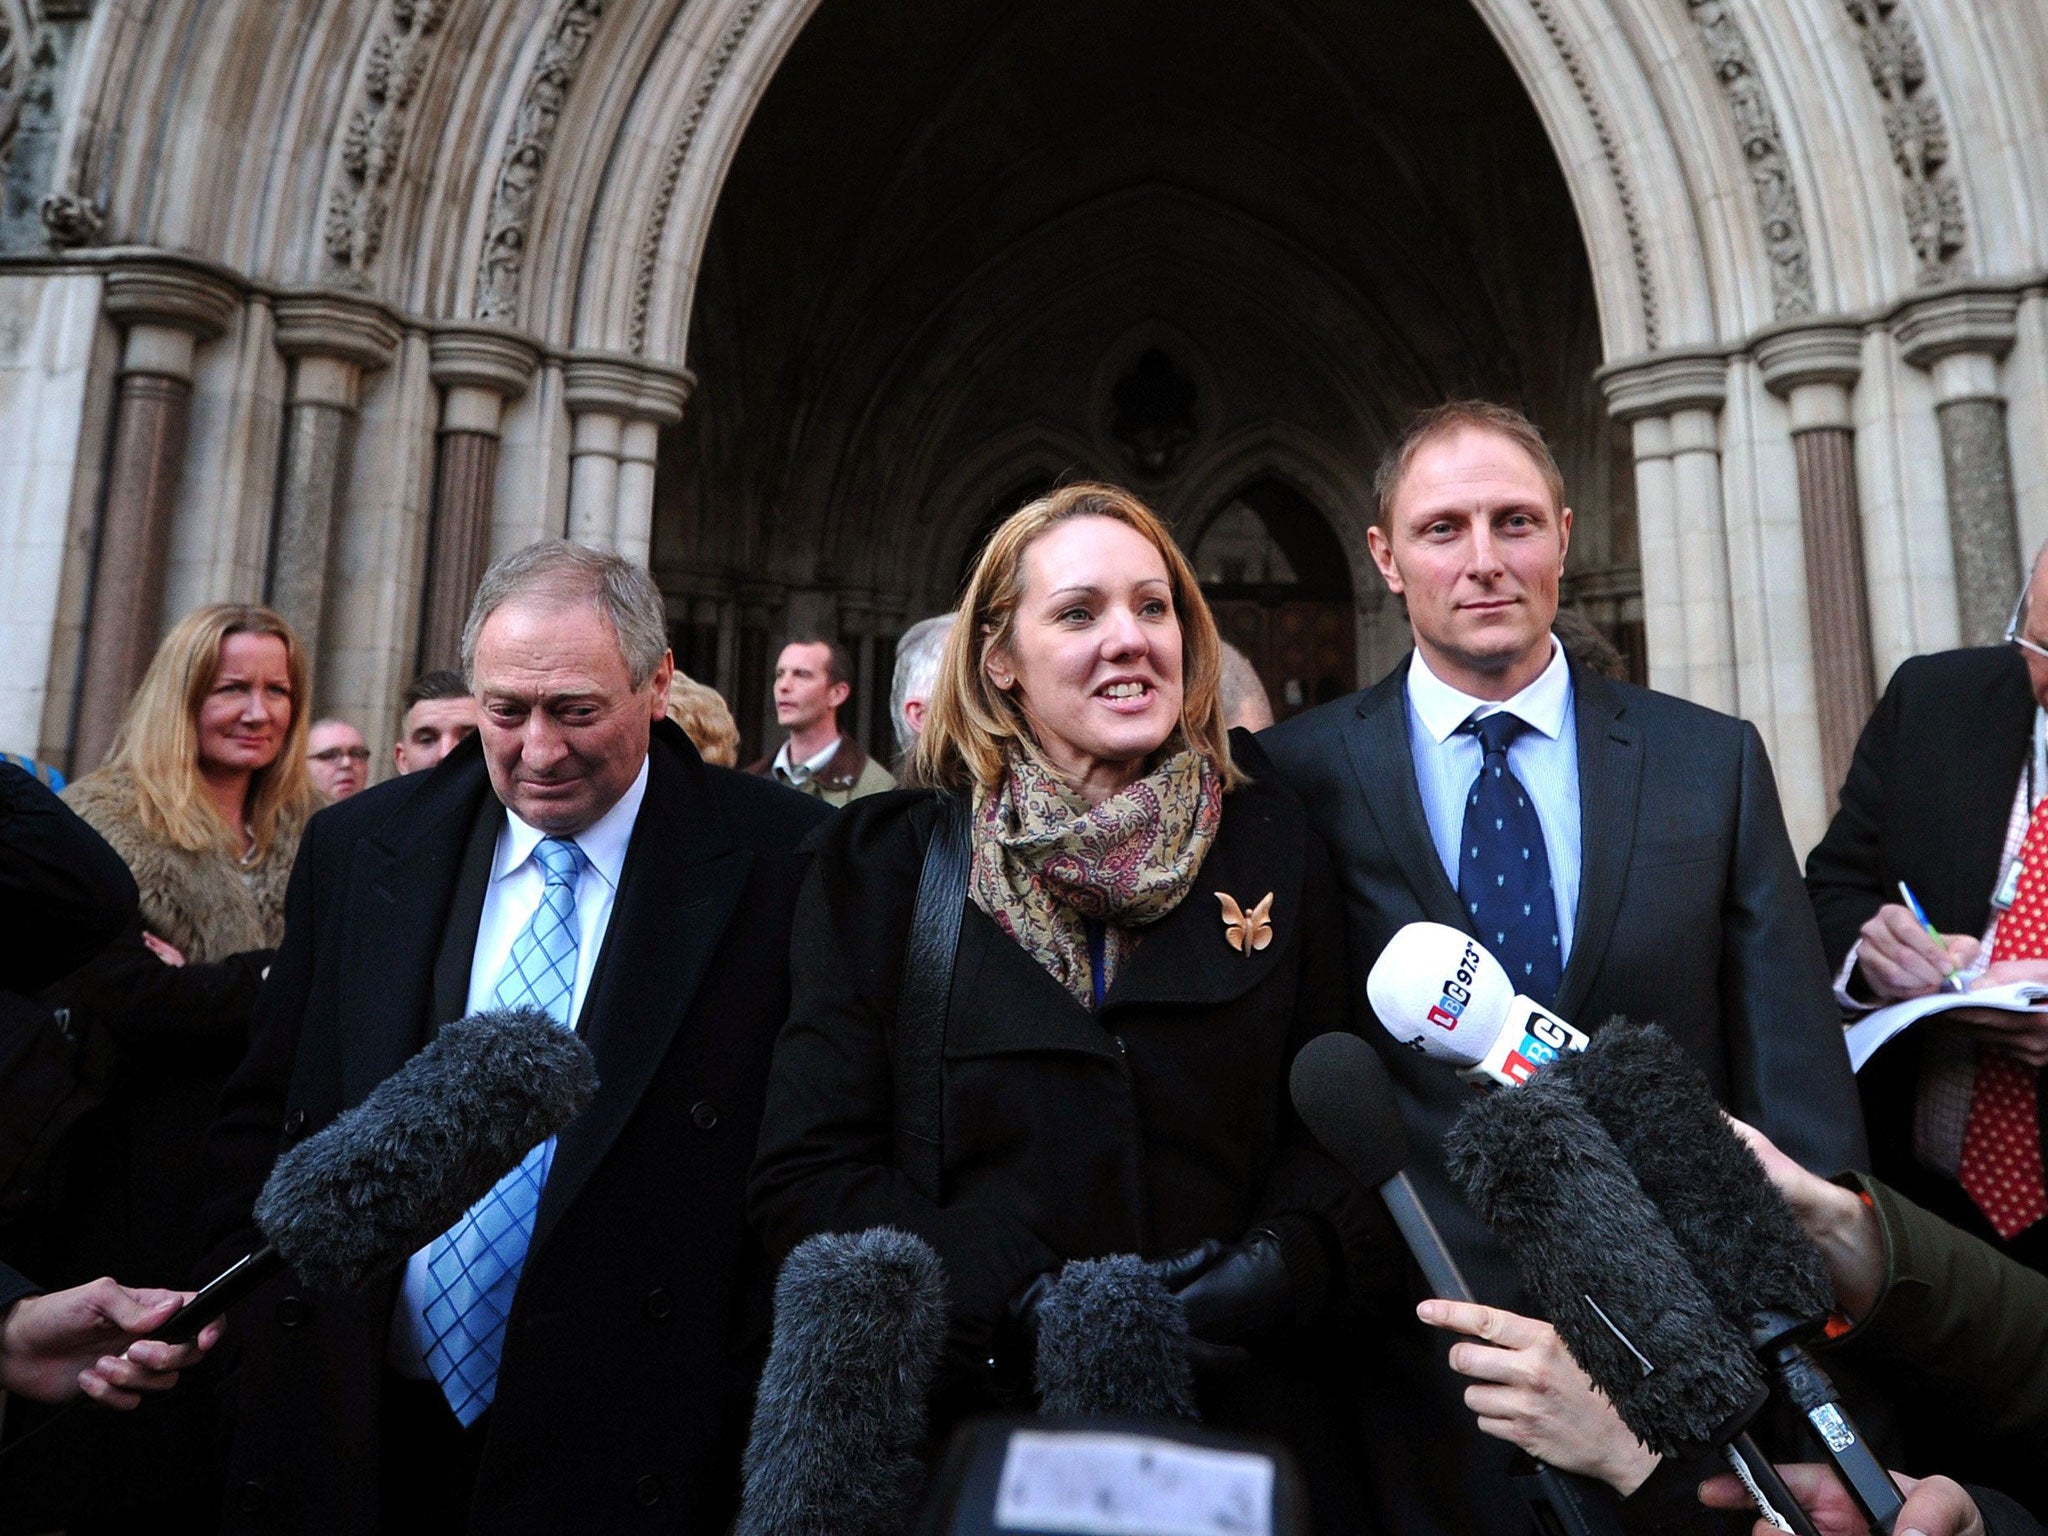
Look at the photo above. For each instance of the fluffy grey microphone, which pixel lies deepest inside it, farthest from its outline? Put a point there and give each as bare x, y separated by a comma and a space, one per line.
1604, 1268
839, 1423
1745, 1244
392, 1173
1113, 1341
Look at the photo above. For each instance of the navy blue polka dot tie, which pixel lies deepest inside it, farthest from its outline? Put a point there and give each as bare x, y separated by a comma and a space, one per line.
1503, 869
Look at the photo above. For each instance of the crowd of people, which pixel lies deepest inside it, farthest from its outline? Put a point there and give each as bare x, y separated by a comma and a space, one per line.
1032, 999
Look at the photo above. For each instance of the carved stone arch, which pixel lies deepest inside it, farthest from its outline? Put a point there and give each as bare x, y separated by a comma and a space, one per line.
1123, 354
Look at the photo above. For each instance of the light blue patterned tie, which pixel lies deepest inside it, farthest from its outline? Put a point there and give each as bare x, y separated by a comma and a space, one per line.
473, 1267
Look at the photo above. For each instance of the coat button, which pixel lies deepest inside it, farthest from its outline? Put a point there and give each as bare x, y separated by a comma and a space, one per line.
659, 1303
249, 1498
702, 1115
647, 1492
291, 1312
294, 1123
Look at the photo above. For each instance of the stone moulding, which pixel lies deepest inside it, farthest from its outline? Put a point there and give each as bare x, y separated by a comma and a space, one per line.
1610, 150
1913, 121
526, 153
360, 199
1763, 151
672, 171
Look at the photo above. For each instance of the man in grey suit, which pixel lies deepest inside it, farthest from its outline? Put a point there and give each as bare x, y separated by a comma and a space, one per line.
1622, 851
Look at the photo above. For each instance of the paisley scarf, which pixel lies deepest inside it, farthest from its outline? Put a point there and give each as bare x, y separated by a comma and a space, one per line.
1045, 860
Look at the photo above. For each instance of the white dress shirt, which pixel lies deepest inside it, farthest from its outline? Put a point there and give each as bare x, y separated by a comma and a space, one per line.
510, 901
800, 774
1544, 757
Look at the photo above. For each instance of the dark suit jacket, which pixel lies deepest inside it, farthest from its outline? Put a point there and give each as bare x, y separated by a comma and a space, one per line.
627, 1374
1690, 915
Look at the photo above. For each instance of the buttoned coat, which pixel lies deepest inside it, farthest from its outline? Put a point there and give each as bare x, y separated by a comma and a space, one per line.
630, 1353
1160, 1120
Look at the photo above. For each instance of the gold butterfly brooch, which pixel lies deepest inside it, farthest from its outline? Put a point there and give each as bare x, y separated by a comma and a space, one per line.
1246, 931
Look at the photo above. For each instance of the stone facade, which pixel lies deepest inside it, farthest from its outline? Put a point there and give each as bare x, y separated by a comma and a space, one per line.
330, 314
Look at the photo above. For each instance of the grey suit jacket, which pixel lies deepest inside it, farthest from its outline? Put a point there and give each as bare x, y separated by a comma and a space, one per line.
1691, 913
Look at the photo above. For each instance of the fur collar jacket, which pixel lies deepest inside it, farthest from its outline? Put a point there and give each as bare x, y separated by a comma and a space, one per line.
204, 903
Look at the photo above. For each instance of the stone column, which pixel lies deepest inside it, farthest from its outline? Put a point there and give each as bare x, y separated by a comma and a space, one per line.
480, 370
166, 311
332, 340
1671, 401
618, 406
1959, 334
1813, 368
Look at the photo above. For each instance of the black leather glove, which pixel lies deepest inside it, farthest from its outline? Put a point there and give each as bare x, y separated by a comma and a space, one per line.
1231, 1292
1015, 1347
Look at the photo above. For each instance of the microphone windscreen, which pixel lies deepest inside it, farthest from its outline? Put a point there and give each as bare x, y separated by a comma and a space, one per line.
1345, 1097
1440, 992
1603, 1267
397, 1170
1742, 1239
1112, 1340
839, 1422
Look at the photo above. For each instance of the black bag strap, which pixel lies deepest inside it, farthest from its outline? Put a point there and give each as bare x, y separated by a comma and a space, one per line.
922, 1000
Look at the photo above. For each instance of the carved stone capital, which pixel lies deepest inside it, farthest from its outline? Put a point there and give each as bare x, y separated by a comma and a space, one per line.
337, 326
1662, 383
483, 357
624, 387
1963, 318
181, 298
1793, 356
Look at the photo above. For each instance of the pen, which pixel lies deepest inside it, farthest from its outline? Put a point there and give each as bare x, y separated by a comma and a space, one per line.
1953, 981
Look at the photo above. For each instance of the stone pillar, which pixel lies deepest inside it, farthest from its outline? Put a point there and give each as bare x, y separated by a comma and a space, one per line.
1813, 368
1959, 334
332, 340
480, 370
619, 406
1672, 401
166, 311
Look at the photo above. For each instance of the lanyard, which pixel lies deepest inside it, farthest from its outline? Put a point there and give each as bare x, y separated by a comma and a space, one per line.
2037, 785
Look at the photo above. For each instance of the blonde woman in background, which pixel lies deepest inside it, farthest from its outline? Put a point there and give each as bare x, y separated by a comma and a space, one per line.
203, 795
703, 715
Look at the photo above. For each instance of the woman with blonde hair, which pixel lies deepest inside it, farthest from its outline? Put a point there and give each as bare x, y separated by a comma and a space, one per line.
1146, 932
702, 713
203, 795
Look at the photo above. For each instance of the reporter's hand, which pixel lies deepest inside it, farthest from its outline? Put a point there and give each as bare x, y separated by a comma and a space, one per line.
2023, 1035
1898, 958
1840, 1224
1532, 1394
89, 1341
1935, 1506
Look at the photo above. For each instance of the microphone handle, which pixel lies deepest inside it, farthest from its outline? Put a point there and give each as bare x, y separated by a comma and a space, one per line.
1774, 1500
1809, 1389
233, 1285
1561, 1503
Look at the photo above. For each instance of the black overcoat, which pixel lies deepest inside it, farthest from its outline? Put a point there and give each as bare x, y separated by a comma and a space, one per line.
1144, 1128
627, 1375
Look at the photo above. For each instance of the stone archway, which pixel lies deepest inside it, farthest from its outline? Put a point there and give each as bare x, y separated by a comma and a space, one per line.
419, 280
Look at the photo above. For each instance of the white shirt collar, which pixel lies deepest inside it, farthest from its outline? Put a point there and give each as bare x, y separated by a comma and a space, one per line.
1442, 708
603, 842
811, 765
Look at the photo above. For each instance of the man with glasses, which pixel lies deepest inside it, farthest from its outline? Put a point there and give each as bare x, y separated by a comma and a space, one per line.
1947, 796
338, 758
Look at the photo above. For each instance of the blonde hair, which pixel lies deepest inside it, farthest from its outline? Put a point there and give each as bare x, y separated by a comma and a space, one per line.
702, 713
970, 724
158, 743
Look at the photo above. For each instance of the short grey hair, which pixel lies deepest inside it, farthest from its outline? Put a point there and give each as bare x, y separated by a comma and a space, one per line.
917, 668
1244, 697
559, 572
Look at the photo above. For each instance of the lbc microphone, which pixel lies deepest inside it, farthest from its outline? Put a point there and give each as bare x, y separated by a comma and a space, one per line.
839, 1422
390, 1175
1441, 992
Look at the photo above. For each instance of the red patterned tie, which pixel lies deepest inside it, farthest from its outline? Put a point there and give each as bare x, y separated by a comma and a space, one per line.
2001, 1164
